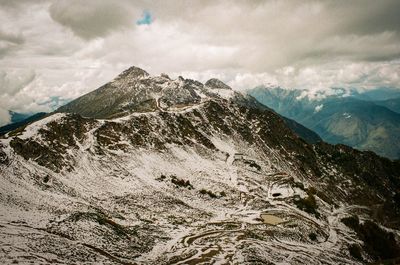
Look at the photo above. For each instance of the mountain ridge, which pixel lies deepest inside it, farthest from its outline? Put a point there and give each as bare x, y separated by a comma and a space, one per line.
190, 181
137, 91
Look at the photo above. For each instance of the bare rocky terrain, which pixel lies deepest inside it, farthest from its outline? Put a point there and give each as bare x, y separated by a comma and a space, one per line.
150, 170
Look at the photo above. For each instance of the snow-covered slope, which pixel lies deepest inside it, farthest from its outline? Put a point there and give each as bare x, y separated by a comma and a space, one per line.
194, 177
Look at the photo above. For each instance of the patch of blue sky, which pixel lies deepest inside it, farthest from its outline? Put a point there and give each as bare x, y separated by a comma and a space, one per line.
145, 19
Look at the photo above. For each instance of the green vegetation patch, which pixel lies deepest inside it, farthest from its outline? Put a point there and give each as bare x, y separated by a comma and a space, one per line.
181, 182
352, 221
103, 220
378, 243
309, 203
355, 251
209, 193
312, 236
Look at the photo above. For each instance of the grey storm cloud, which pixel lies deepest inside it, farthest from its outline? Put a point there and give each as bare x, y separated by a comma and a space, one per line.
9, 41
11, 37
75, 46
91, 18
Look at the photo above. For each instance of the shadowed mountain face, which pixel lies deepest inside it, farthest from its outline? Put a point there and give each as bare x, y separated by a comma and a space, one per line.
21, 122
392, 104
149, 170
358, 123
17, 117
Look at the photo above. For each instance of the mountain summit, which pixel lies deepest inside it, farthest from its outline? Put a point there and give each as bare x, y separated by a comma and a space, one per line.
149, 170
217, 84
134, 90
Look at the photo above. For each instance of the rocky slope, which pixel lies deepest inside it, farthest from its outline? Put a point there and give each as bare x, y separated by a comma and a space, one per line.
149, 170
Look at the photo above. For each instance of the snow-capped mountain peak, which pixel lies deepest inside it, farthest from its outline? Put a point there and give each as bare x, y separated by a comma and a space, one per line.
151, 170
136, 91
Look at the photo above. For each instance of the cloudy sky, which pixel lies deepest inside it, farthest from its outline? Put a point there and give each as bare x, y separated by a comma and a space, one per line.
52, 51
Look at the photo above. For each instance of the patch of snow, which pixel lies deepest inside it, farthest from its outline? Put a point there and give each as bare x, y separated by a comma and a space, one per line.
346, 115
224, 93
32, 129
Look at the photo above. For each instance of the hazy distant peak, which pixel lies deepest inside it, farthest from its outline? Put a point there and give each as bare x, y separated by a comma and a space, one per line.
133, 72
217, 84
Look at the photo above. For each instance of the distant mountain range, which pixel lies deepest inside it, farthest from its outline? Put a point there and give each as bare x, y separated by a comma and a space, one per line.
392, 104
20, 119
352, 119
17, 116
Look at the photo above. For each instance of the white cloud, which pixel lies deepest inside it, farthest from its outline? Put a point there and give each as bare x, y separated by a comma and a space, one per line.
318, 108
12, 82
311, 45
318, 81
4, 117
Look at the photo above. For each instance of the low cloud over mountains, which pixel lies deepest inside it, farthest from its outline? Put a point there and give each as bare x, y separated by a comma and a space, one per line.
73, 47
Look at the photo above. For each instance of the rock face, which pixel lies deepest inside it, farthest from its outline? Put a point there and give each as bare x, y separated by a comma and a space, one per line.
162, 171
